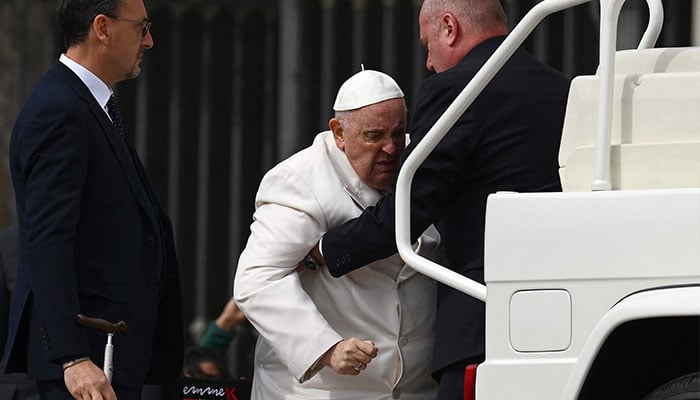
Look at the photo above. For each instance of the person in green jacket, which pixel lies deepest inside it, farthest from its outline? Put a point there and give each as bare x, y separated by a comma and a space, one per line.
221, 331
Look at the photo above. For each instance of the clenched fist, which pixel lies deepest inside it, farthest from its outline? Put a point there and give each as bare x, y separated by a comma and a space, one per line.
350, 357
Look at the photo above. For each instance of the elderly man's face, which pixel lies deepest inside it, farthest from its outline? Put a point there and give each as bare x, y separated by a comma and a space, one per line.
373, 138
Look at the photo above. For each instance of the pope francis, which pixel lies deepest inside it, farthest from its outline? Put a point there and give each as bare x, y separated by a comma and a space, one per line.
366, 335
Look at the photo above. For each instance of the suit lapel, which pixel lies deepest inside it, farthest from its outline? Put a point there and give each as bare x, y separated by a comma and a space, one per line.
120, 148
130, 163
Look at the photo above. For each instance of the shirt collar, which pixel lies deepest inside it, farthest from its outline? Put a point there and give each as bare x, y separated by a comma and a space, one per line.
363, 195
99, 90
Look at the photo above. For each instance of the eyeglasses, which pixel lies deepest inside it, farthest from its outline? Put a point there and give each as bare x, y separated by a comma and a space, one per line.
145, 25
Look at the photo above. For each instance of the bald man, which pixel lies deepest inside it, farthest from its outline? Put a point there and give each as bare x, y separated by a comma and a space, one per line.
507, 140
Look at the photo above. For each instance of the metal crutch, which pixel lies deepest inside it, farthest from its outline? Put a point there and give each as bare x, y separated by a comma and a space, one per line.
110, 329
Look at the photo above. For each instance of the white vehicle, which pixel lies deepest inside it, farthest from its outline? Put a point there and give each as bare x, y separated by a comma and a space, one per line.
593, 293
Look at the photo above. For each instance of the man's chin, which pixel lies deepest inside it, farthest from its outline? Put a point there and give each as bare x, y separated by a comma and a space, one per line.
134, 73
382, 183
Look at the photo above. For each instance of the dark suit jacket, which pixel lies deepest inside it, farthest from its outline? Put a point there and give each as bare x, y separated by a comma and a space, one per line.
507, 140
93, 240
12, 386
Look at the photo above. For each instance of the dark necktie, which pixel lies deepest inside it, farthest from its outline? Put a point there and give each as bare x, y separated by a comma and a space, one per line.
113, 112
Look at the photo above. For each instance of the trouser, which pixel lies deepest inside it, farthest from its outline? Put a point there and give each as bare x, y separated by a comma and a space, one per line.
56, 390
16, 386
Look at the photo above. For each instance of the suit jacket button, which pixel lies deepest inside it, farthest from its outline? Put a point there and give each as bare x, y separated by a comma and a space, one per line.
150, 240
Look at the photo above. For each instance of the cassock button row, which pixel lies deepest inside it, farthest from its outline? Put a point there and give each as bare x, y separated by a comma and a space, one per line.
403, 340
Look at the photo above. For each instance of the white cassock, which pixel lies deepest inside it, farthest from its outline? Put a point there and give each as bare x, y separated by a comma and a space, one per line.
300, 316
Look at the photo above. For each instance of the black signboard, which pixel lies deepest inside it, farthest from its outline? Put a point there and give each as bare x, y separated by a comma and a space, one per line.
208, 389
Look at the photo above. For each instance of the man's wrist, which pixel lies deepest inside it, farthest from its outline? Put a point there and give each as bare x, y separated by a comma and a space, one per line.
311, 262
317, 254
74, 362
227, 330
226, 324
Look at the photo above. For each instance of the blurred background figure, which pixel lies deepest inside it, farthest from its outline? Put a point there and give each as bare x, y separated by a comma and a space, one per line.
205, 362
221, 331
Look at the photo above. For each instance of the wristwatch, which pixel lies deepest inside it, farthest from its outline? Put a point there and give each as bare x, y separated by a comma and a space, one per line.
310, 262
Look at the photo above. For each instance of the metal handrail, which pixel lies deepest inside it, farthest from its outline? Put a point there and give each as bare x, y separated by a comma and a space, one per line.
473, 89
656, 22
608, 39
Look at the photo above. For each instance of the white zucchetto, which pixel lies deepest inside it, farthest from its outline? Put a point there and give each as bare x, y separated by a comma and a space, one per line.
364, 88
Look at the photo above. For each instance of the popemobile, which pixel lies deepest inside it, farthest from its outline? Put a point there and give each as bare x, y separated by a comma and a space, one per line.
594, 292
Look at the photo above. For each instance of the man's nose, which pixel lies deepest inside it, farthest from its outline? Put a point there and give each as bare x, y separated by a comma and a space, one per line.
429, 63
391, 145
148, 40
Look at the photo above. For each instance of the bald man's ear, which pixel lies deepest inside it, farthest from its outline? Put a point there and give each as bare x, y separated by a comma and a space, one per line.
450, 28
338, 133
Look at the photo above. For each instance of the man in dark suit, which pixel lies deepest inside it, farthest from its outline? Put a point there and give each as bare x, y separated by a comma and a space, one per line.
12, 386
93, 238
508, 139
